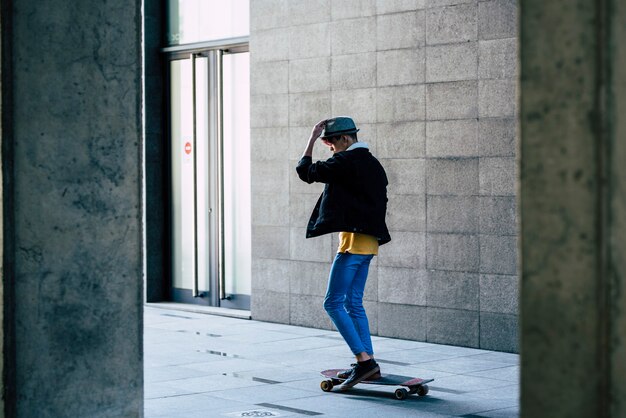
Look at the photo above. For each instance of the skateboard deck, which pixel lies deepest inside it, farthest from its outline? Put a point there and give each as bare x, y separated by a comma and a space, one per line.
411, 385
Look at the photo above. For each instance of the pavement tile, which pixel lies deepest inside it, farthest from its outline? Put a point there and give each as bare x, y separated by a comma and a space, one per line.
390, 344
510, 393
463, 365
255, 336
166, 373
291, 329
163, 390
227, 409
276, 347
391, 412
335, 348
199, 365
414, 371
328, 403
416, 356
177, 404
467, 384
308, 360
277, 374
211, 383
220, 366
510, 374
500, 357
310, 384
502, 413
263, 394
455, 351
179, 358
453, 404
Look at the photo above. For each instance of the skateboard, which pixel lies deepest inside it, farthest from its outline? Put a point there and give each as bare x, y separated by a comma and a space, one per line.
411, 385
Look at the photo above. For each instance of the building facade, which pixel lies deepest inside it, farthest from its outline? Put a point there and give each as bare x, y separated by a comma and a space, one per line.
432, 86
77, 160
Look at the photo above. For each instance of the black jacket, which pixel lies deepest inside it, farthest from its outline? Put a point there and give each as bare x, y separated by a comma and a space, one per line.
355, 196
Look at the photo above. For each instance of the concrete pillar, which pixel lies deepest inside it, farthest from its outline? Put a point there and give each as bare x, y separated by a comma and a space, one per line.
72, 221
573, 208
617, 202
1, 246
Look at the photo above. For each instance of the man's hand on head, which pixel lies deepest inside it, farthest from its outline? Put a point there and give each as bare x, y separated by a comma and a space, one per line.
317, 129
315, 133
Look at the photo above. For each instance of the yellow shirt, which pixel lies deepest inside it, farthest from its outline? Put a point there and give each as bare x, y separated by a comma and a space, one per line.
355, 243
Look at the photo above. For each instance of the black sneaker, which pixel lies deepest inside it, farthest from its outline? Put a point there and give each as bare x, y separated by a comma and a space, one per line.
346, 373
362, 371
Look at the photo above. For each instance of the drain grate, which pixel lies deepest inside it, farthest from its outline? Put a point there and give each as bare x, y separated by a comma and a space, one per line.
254, 413
289, 409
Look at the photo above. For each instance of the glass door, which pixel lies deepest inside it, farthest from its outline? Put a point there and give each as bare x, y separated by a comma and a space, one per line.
210, 178
236, 169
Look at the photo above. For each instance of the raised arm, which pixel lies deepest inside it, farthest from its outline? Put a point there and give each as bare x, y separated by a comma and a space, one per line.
315, 133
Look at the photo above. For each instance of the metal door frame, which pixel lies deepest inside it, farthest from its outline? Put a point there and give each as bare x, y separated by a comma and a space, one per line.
213, 51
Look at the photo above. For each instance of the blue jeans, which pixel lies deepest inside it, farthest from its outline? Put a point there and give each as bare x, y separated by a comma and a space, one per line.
344, 300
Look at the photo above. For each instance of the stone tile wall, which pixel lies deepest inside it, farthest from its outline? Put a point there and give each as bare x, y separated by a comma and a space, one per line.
432, 86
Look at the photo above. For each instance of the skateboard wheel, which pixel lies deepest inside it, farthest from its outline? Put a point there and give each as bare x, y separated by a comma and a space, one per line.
401, 394
326, 385
422, 390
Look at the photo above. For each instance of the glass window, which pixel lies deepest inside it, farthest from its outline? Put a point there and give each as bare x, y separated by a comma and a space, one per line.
191, 21
237, 189
182, 173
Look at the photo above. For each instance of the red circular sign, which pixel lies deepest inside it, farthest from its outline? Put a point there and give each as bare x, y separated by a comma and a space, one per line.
188, 148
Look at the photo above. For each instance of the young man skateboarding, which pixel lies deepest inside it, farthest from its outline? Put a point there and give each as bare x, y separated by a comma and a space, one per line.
354, 203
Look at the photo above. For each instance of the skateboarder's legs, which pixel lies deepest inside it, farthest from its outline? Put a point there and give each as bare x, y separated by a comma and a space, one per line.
344, 300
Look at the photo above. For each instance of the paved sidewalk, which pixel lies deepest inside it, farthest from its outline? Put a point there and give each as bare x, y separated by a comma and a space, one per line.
199, 365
